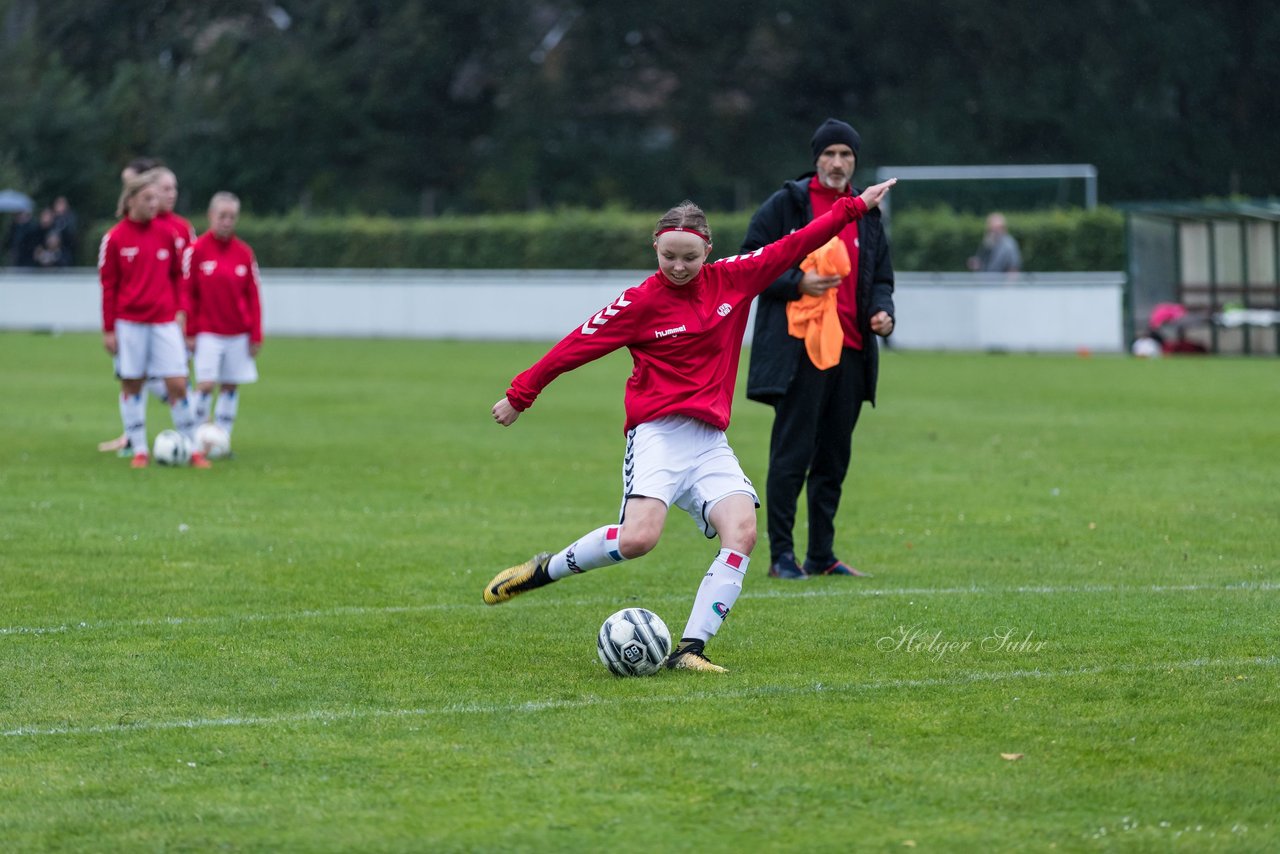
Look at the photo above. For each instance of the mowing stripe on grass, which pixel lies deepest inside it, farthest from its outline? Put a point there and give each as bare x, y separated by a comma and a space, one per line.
377, 610
339, 715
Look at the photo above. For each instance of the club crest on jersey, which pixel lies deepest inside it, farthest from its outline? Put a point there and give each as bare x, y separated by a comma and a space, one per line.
724, 309
241, 269
162, 254
207, 267
601, 317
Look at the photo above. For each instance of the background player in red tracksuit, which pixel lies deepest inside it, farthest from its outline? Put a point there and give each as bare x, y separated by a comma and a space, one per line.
684, 327
224, 326
140, 268
153, 385
167, 189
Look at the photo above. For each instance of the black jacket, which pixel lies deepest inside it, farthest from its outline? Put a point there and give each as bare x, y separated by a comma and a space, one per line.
774, 352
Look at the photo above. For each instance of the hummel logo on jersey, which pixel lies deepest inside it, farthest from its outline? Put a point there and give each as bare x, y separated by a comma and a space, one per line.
128, 253
663, 333
602, 317
207, 267
724, 309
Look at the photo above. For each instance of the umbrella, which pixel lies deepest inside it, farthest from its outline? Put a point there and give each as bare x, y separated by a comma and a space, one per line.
11, 201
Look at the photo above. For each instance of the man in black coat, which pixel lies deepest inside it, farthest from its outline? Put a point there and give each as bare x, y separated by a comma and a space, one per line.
816, 410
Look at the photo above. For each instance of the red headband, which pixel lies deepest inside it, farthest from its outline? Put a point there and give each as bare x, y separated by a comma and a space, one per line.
663, 231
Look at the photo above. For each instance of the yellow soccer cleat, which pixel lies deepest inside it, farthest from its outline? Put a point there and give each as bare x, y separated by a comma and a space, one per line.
689, 656
518, 579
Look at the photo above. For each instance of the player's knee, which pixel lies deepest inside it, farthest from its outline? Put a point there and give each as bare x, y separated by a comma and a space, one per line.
740, 534
635, 540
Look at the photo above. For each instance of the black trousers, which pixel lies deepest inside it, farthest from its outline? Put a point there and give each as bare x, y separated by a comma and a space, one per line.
811, 442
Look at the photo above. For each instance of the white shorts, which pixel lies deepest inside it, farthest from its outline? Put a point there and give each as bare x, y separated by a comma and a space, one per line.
149, 350
685, 463
224, 359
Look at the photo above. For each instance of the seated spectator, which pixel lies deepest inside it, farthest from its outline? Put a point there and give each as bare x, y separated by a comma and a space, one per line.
51, 253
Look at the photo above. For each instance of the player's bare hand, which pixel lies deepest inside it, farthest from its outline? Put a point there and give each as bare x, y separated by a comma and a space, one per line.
504, 413
815, 286
882, 323
873, 194
109, 342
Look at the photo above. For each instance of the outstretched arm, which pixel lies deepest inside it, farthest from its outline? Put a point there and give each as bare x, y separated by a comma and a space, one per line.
754, 272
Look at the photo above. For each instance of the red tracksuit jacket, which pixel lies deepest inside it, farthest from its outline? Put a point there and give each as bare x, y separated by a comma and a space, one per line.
140, 267
222, 286
685, 341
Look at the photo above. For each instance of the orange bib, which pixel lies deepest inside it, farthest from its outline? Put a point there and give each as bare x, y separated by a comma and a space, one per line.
815, 319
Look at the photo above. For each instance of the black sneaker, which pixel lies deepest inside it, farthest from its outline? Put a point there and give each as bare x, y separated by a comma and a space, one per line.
689, 656
518, 579
835, 566
786, 567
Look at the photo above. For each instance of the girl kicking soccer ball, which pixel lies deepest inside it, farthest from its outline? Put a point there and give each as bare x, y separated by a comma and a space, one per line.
684, 327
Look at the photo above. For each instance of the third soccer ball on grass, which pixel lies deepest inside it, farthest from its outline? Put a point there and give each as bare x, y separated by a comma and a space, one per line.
633, 642
213, 441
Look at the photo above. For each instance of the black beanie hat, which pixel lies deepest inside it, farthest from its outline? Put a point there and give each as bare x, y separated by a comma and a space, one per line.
833, 132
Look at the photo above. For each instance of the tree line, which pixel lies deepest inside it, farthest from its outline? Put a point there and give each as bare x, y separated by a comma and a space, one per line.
453, 106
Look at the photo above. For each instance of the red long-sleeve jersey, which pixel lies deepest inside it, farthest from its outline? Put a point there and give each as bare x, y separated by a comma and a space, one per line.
183, 233
685, 340
140, 268
223, 288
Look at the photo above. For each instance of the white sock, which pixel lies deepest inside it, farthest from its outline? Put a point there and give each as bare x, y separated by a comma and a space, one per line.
157, 388
717, 593
133, 412
224, 411
592, 551
184, 417
202, 401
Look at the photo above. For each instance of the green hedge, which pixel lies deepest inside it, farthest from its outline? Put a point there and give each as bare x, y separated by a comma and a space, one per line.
1051, 241
932, 240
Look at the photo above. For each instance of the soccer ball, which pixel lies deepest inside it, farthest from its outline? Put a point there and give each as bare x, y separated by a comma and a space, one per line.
213, 441
171, 448
633, 642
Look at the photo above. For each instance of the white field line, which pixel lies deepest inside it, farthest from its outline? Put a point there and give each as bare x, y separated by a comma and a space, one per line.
553, 601
326, 716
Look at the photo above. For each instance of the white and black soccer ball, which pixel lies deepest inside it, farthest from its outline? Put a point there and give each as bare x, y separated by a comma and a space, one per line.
633, 642
213, 441
171, 448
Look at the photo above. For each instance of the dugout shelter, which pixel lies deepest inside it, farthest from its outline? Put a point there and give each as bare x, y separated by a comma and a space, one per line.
1219, 260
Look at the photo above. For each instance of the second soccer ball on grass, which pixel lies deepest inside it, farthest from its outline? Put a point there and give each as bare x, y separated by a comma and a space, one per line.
213, 441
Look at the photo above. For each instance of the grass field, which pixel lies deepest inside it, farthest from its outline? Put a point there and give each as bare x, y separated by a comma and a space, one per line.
1076, 562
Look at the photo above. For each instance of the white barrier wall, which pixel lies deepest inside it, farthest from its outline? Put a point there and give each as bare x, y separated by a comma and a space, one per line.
1033, 312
